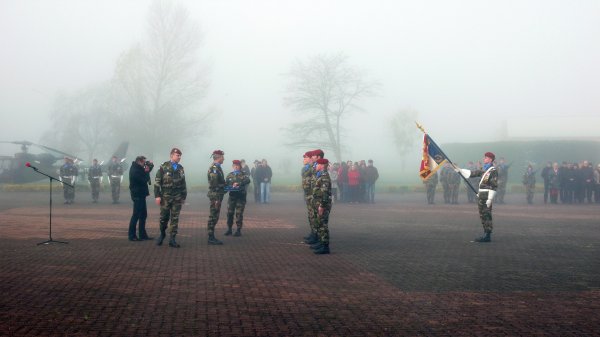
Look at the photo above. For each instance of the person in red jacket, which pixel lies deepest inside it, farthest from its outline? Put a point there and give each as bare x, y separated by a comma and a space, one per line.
353, 183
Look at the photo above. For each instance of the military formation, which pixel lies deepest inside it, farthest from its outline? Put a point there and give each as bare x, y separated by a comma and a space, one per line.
316, 184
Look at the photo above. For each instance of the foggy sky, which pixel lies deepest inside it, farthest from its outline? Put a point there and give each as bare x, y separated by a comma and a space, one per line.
466, 66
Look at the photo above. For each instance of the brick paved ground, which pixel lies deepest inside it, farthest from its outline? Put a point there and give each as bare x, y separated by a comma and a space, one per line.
398, 267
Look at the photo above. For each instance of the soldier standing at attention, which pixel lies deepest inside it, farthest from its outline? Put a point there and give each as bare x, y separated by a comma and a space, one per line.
306, 174
216, 191
453, 186
312, 211
487, 190
68, 174
322, 204
236, 182
529, 182
444, 175
502, 179
431, 185
170, 192
95, 179
115, 176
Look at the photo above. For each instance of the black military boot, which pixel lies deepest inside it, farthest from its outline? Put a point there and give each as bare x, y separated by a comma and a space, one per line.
324, 249
238, 232
485, 238
160, 239
172, 242
229, 232
213, 241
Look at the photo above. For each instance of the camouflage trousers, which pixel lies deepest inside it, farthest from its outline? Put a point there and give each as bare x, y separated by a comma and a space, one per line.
215, 211
170, 207
115, 188
529, 189
95, 186
431, 193
485, 213
322, 223
311, 213
235, 206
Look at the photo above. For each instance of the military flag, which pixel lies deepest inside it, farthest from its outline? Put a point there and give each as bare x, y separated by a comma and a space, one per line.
433, 158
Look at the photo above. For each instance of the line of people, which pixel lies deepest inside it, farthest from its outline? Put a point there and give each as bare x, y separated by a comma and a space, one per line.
355, 181
69, 173
571, 183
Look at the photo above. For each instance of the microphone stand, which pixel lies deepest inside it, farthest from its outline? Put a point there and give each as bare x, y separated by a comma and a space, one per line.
50, 226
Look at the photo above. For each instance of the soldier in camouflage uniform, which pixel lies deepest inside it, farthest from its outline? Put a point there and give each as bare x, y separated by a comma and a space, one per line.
68, 174
115, 176
216, 191
487, 190
306, 174
431, 185
236, 183
529, 183
502, 170
321, 199
312, 211
453, 186
170, 192
444, 175
95, 179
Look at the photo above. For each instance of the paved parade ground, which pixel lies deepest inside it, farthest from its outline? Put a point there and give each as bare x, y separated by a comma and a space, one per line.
399, 267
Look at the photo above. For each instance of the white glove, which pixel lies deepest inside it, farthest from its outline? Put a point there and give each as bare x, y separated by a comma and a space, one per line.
465, 173
491, 195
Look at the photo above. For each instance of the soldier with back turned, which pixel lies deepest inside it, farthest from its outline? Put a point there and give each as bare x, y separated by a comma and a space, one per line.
216, 191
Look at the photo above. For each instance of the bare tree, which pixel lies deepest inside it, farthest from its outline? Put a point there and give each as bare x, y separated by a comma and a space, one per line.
324, 90
81, 122
404, 132
160, 82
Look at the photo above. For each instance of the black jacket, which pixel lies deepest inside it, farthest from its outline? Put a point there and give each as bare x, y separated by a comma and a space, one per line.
138, 181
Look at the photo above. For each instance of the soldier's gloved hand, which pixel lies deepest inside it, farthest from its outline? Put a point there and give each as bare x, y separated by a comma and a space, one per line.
491, 195
488, 203
320, 211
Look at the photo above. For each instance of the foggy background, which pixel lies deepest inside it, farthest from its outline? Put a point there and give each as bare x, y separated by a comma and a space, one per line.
469, 71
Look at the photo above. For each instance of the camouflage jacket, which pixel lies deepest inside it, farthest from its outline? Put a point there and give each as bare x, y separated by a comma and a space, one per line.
307, 173
169, 182
321, 193
241, 179
216, 182
489, 178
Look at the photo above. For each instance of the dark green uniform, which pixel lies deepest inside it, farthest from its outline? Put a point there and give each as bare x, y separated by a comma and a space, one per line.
321, 197
453, 186
529, 183
68, 174
95, 178
431, 185
216, 191
237, 198
170, 186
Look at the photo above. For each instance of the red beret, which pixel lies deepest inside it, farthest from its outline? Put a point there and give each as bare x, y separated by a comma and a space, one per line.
322, 161
219, 152
237, 162
173, 150
490, 155
319, 153
307, 154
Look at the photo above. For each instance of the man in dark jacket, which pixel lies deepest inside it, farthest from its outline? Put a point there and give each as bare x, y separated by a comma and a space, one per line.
139, 179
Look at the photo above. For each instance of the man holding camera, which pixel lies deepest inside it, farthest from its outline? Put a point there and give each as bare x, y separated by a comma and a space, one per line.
139, 179
170, 192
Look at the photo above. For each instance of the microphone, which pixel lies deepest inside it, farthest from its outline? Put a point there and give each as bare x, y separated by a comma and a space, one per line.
28, 164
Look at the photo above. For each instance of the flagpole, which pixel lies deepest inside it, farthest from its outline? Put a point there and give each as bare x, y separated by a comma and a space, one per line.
420, 127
